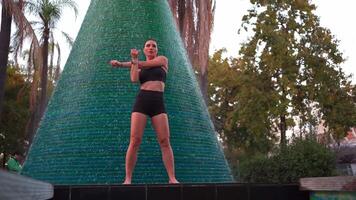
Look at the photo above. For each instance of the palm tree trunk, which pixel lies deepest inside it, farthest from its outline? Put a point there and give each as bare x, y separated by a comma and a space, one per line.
195, 19
39, 108
5, 33
181, 13
188, 29
44, 72
204, 32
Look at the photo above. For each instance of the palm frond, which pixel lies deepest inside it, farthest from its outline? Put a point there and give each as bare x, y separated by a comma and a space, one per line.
24, 27
31, 7
69, 39
67, 4
35, 23
59, 55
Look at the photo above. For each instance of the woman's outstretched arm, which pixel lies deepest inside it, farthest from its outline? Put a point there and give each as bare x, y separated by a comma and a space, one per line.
156, 62
118, 64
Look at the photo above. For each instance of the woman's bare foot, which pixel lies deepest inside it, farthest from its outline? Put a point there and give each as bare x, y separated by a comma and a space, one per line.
173, 181
127, 182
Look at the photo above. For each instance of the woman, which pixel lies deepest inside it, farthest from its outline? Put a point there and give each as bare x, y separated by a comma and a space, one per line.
149, 102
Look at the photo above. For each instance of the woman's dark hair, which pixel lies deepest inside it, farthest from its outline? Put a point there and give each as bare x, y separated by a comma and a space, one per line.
149, 39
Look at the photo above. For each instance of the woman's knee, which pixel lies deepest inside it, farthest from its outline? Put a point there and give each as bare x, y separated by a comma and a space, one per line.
135, 142
164, 142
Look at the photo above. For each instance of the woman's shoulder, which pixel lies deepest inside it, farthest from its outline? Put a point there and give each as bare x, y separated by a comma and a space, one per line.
164, 61
164, 58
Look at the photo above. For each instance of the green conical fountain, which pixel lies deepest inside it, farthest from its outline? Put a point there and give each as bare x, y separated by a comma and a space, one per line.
85, 131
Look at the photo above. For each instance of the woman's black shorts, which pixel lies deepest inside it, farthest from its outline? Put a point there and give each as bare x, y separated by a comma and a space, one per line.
149, 103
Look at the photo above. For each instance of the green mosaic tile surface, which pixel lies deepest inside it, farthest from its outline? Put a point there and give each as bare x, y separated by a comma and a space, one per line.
84, 134
333, 196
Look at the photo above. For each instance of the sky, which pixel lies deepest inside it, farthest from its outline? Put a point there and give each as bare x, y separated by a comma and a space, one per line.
338, 17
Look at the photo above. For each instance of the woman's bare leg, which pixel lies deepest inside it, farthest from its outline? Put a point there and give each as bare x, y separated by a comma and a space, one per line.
138, 124
160, 124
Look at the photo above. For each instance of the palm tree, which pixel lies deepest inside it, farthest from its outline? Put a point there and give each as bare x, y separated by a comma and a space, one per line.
195, 21
49, 13
33, 75
13, 10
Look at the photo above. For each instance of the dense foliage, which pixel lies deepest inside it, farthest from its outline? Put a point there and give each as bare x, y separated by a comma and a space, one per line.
287, 79
302, 158
290, 70
241, 144
15, 111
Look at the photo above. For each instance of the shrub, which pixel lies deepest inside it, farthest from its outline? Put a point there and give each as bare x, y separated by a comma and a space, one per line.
302, 158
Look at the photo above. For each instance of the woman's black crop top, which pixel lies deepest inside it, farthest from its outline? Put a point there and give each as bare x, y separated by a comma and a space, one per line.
152, 74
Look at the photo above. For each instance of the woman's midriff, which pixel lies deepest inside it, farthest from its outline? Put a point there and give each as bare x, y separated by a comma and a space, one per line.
153, 86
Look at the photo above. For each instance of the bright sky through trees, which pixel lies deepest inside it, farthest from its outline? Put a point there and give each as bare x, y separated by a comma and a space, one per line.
338, 16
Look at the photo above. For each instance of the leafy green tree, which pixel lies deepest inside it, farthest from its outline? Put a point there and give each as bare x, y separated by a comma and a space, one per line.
224, 90
287, 75
15, 112
290, 73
